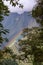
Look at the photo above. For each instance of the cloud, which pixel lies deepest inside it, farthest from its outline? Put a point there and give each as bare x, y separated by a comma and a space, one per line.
28, 5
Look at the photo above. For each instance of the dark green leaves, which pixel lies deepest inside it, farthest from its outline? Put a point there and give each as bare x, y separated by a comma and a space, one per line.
1, 18
37, 12
3, 12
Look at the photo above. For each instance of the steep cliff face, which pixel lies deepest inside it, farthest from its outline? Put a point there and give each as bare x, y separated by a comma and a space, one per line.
16, 22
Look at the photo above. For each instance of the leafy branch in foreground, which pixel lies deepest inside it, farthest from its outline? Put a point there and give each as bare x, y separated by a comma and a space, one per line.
5, 12
32, 46
7, 57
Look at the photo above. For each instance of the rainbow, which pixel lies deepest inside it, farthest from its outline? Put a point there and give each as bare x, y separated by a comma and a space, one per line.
13, 40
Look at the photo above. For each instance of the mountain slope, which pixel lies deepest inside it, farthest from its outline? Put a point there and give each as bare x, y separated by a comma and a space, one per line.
16, 22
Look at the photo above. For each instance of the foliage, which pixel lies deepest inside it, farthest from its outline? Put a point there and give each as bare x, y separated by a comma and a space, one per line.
33, 45
15, 2
7, 57
37, 12
38, 15
5, 12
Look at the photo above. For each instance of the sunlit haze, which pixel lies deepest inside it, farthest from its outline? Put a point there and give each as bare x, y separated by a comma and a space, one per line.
28, 5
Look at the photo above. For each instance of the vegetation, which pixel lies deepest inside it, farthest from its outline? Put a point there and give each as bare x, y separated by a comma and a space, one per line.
6, 56
5, 12
37, 12
33, 45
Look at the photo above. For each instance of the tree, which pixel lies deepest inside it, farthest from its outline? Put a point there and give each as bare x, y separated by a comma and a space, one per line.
37, 13
5, 12
7, 57
34, 44
6, 54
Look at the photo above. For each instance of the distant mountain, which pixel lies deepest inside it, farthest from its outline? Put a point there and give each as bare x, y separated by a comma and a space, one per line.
16, 22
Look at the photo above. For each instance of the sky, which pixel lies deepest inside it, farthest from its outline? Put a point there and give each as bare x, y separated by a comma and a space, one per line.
28, 6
